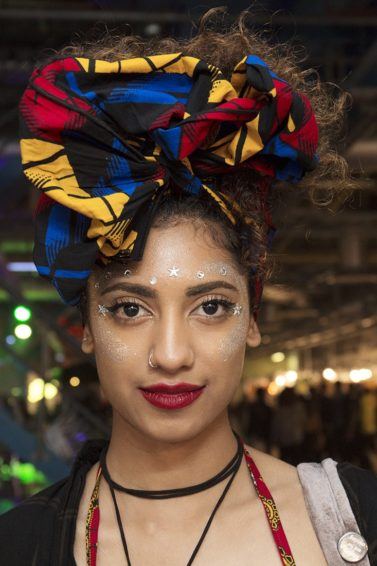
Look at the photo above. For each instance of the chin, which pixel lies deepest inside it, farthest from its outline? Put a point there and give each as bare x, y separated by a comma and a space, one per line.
173, 432
168, 426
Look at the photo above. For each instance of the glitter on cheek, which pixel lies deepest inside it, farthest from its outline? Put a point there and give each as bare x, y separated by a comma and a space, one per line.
153, 280
236, 338
110, 346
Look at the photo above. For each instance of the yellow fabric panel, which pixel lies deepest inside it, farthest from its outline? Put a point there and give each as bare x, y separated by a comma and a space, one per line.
34, 149
84, 62
252, 143
222, 91
291, 125
239, 79
106, 66
140, 65
185, 64
108, 251
128, 244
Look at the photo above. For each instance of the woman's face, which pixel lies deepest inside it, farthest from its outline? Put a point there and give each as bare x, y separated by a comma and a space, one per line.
186, 305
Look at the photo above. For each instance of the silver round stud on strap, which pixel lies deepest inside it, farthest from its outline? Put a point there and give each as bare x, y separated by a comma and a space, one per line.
352, 547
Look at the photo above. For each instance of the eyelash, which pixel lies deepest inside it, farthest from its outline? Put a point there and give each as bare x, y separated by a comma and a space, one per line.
225, 303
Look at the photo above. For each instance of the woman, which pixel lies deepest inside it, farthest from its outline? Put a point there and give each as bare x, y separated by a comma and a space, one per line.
156, 168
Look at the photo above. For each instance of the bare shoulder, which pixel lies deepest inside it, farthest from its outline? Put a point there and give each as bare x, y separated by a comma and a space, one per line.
275, 472
283, 481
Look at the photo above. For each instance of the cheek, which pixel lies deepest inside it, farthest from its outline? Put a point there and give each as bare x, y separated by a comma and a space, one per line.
233, 343
109, 345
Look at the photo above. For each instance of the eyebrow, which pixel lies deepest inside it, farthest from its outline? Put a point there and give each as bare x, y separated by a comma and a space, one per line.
144, 291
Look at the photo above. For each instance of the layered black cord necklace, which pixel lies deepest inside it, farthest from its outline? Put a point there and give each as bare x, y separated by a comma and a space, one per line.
230, 469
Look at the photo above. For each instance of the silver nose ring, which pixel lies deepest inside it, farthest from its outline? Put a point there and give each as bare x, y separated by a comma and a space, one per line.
150, 361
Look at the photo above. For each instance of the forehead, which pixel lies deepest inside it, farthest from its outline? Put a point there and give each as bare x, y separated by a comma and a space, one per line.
184, 245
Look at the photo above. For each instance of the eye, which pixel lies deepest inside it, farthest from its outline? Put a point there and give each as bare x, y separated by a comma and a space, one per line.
216, 308
128, 310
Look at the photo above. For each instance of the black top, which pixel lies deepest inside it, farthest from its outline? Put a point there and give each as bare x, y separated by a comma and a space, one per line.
41, 530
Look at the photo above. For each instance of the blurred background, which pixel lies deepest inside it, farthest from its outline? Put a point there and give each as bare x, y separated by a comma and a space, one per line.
310, 390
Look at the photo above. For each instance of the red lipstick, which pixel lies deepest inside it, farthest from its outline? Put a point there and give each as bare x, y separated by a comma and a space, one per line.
167, 396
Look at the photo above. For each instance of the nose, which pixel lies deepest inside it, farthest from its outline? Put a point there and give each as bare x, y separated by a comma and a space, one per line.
172, 349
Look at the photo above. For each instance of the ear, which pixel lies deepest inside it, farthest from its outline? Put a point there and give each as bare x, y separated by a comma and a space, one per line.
87, 344
253, 338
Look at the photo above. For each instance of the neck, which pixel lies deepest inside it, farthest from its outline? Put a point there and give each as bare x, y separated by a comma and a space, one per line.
139, 461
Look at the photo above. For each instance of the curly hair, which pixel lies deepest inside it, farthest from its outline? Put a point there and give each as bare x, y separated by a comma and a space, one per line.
224, 49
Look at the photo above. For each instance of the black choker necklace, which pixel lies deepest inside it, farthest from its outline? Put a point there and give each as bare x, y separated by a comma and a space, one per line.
178, 492
230, 470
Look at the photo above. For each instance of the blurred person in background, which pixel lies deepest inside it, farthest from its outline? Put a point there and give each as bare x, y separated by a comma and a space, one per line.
288, 426
155, 160
368, 427
257, 420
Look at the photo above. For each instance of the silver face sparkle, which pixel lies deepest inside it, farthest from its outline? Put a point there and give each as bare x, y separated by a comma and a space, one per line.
102, 310
96, 285
223, 270
173, 271
108, 275
237, 309
127, 272
200, 274
153, 280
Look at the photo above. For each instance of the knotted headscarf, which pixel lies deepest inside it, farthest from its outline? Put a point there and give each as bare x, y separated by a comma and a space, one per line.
102, 140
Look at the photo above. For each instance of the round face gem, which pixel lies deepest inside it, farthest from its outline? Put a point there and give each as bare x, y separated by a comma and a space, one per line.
153, 280
200, 274
127, 272
173, 271
352, 547
223, 270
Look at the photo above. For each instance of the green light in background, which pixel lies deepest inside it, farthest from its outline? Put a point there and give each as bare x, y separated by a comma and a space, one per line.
22, 313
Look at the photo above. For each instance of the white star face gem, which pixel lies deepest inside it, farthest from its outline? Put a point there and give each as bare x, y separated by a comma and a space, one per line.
127, 273
200, 274
173, 271
153, 280
237, 309
223, 270
102, 310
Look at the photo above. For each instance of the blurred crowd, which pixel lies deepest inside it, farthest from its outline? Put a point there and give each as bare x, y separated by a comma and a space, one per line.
337, 420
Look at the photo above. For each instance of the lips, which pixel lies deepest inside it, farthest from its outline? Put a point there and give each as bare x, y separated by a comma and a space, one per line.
176, 396
171, 389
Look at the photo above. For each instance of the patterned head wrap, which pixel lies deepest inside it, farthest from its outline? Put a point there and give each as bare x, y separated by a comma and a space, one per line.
102, 140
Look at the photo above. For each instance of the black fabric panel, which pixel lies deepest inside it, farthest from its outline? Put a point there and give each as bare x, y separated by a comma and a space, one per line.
41, 530
361, 489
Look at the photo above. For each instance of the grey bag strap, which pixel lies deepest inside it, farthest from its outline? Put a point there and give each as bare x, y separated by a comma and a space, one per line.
331, 514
